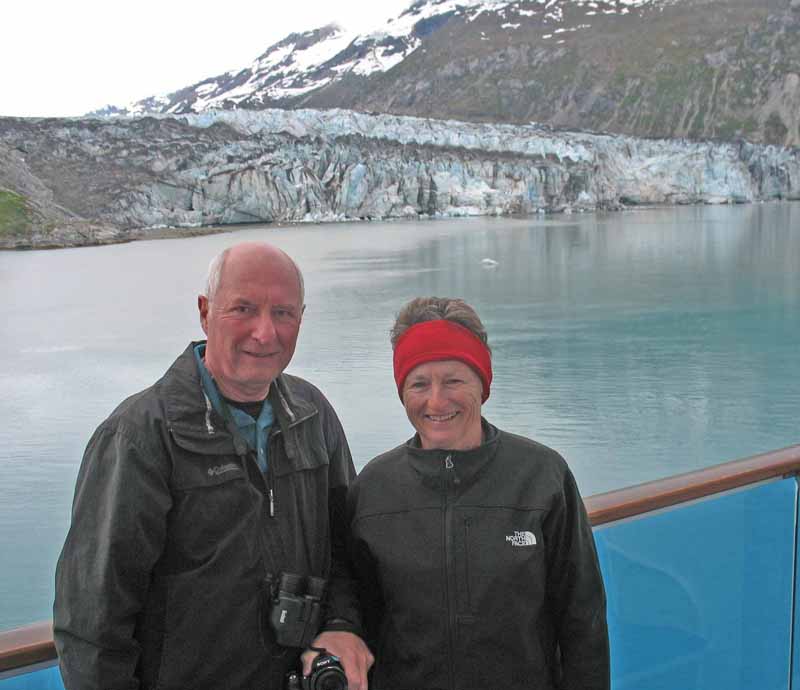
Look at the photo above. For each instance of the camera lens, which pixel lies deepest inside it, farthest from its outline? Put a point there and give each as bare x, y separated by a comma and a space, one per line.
327, 674
330, 680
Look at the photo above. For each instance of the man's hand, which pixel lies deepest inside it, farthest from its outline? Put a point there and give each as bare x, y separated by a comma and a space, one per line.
352, 652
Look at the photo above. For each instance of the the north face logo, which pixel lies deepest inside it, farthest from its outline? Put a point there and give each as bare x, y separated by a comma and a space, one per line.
522, 539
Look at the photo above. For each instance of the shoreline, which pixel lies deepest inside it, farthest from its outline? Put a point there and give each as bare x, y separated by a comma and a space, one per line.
106, 236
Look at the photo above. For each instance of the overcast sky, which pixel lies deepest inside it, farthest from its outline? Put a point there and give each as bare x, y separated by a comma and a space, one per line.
65, 58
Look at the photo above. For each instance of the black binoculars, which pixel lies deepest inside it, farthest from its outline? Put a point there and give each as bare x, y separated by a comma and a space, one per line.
295, 611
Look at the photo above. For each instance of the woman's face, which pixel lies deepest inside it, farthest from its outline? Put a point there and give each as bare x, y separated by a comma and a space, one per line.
443, 403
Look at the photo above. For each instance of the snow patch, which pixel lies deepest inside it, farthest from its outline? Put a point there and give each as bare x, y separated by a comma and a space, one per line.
205, 89
273, 58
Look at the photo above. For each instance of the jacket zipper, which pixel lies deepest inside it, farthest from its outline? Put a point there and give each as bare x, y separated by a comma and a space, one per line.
466, 563
263, 489
449, 567
271, 454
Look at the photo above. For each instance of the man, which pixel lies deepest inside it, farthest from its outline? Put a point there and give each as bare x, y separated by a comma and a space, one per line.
197, 491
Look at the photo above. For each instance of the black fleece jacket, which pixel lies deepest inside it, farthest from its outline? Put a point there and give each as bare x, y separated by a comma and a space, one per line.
478, 570
160, 583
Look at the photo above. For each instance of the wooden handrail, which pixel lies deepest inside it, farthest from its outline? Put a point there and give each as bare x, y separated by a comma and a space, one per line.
680, 488
26, 646
34, 643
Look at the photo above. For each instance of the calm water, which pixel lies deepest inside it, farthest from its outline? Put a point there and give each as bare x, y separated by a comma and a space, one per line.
640, 344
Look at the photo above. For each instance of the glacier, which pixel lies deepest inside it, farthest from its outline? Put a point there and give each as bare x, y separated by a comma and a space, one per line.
130, 175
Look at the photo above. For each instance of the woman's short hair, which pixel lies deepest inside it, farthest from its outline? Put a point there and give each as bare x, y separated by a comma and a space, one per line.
422, 309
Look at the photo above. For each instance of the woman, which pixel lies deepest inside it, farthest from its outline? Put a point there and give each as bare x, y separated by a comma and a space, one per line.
473, 548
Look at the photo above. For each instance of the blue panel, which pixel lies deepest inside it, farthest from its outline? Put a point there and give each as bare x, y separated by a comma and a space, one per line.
43, 679
700, 596
796, 644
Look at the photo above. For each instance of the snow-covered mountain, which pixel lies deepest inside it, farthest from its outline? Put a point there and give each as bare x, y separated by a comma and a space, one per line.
303, 63
665, 68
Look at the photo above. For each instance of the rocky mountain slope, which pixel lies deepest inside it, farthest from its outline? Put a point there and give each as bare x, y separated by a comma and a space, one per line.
701, 69
85, 181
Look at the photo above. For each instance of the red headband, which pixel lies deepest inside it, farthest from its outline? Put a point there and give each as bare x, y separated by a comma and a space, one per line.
434, 341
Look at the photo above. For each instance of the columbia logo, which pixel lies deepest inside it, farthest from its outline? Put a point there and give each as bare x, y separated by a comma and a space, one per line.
522, 539
222, 469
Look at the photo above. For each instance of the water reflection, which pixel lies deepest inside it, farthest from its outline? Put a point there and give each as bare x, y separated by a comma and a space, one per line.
627, 341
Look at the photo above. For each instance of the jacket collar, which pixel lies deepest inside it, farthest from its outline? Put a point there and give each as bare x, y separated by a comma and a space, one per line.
195, 424
434, 466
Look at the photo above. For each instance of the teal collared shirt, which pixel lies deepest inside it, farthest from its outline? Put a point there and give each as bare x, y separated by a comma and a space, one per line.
254, 431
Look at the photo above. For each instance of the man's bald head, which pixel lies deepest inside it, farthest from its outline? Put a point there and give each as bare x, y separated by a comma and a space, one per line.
216, 268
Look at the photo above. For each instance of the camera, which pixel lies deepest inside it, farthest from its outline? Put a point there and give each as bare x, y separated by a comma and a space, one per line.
326, 674
295, 609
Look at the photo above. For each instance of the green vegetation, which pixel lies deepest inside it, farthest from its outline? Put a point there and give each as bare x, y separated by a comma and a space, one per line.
744, 84
14, 213
632, 98
729, 128
749, 126
698, 123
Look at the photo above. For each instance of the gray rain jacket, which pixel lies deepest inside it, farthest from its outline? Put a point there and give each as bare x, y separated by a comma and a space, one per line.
161, 581
478, 570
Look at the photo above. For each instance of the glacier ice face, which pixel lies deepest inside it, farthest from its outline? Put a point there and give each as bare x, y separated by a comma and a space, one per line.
226, 167
485, 168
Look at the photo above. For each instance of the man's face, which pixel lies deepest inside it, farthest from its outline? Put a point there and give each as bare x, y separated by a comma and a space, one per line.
252, 322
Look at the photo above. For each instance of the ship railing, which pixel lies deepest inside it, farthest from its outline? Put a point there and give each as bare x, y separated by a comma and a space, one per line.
700, 572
